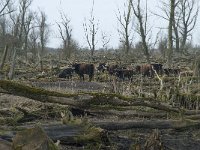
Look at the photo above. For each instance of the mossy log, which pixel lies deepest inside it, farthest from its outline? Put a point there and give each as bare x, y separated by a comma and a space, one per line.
130, 113
84, 101
42, 95
193, 117
150, 124
31, 92
81, 100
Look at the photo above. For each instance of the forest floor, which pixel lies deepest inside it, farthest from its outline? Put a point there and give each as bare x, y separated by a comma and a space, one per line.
169, 139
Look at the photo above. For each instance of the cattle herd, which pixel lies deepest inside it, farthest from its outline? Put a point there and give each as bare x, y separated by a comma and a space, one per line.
122, 73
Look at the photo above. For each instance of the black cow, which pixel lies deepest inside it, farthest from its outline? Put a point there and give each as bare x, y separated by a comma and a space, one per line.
112, 69
124, 73
138, 69
82, 69
66, 73
102, 67
158, 68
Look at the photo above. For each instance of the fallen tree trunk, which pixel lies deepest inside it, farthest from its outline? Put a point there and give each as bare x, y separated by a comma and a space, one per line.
84, 100
149, 124
128, 113
33, 93
81, 134
193, 117
79, 100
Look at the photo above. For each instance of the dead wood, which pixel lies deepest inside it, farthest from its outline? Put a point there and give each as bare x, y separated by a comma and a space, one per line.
153, 104
191, 112
193, 117
66, 134
80, 100
128, 113
27, 116
149, 124
37, 94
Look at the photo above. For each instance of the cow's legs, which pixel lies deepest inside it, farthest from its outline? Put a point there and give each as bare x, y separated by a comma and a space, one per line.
81, 77
90, 77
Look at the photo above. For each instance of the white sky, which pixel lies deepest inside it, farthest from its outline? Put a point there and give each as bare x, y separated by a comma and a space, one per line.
104, 10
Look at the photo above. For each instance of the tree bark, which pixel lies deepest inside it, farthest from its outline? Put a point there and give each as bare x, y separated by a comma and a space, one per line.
170, 31
142, 29
12, 68
4, 57
149, 124
81, 100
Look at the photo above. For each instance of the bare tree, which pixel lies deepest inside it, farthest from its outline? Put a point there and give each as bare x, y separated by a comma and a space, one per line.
25, 21
105, 40
43, 36
27, 28
142, 25
185, 13
4, 57
3, 28
125, 30
65, 31
173, 24
162, 46
33, 41
15, 43
189, 10
197, 66
90, 30
170, 32
19, 23
4, 7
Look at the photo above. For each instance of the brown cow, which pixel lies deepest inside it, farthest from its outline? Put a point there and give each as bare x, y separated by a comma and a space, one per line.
149, 69
82, 69
145, 70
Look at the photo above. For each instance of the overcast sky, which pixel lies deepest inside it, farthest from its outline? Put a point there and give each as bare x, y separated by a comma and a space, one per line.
104, 10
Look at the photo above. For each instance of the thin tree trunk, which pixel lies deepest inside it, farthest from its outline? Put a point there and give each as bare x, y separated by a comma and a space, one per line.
149, 124
40, 60
176, 38
197, 67
12, 68
142, 30
4, 57
170, 31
